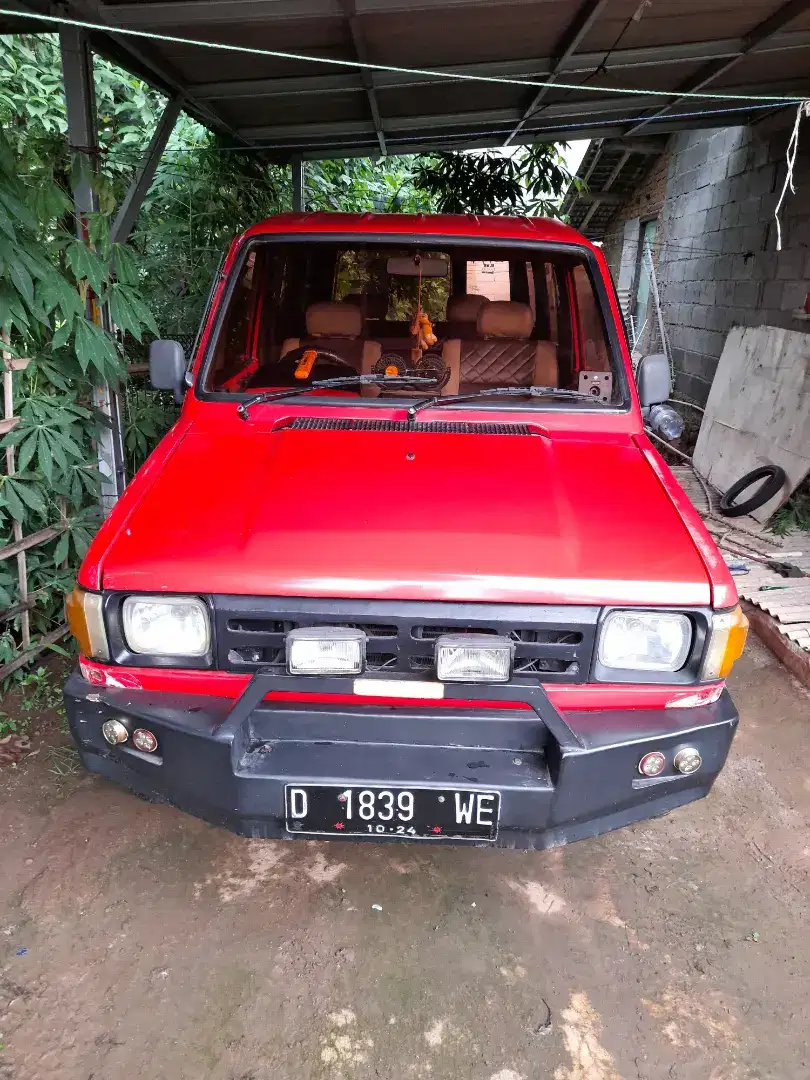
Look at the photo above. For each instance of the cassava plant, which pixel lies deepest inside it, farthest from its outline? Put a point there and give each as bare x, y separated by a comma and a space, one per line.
48, 276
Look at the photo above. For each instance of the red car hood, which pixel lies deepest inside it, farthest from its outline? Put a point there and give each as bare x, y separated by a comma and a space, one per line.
359, 513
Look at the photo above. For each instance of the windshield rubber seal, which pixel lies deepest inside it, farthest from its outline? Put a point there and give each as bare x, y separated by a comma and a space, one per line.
388, 239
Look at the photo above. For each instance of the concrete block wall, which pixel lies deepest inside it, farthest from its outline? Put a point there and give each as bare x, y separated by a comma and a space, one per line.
717, 262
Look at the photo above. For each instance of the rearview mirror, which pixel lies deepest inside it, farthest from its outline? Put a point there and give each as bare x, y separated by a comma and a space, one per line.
167, 367
653, 380
414, 265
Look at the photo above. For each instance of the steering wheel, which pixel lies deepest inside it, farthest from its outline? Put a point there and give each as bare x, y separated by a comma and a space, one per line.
324, 357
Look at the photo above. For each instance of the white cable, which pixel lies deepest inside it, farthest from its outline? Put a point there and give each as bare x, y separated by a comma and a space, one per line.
792, 150
454, 76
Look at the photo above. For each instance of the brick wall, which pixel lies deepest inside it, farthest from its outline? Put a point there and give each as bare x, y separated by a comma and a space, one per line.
715, 251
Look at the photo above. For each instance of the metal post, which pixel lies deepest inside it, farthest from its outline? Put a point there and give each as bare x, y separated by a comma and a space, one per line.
298, 184
133, 200
80, 101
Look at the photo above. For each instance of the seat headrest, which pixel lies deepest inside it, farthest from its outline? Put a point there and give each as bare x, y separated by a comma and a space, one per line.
328, 319
505, 318
465, 308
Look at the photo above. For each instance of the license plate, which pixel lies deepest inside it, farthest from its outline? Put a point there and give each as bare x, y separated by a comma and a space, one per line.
409, 813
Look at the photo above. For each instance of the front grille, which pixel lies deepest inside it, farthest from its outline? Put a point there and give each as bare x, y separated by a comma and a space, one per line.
551, 643
435, 427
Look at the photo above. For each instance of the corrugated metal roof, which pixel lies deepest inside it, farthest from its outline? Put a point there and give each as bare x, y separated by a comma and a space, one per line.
292, 106
610, 173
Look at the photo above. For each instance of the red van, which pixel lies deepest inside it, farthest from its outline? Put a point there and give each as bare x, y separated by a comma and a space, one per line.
408, 567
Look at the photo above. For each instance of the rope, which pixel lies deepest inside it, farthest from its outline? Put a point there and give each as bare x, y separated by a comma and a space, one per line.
792, 150
277, 54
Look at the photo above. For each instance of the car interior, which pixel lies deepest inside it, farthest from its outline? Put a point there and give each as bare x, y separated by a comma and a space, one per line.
470, 318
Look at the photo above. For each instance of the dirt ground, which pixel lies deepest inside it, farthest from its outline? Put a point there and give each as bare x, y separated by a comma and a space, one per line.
136, 941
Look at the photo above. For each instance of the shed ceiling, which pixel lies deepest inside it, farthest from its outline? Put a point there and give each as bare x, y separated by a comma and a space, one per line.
294, 107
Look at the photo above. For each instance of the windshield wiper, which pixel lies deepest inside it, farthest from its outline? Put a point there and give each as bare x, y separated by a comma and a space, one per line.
390, 382
504, 391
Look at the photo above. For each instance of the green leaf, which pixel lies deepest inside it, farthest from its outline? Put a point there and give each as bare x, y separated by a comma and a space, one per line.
86, 265
6, 224
126, 268
45, 456
56, 292
55, 447
30, 495
94, 348
18, 210
62, 335
61, 551
27, 449
13, 501
22, 282
128, 311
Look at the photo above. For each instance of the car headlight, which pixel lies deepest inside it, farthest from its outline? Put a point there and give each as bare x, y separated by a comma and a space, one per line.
645, 641
166, 625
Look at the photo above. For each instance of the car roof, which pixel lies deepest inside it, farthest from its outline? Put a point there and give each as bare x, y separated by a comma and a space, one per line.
457, 226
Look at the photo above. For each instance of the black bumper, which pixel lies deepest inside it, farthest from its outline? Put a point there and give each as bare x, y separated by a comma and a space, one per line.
560, 779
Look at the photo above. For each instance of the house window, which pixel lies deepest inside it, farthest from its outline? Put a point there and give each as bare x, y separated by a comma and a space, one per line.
489, 278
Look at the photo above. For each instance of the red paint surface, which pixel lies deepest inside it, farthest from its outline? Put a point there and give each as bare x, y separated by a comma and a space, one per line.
534, 519
226, 684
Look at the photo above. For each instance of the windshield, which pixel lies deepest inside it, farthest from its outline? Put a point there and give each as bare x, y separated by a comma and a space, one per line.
472, 318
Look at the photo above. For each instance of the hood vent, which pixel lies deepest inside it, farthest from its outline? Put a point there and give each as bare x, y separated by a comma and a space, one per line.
437, 427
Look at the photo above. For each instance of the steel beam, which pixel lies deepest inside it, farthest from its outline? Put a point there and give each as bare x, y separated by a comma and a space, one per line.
187, 13
712, 71
357, 146
583, 225
586, 16
422, 123
159, 72
80, 103
298, 185
359, 42
617, 171
133, 200
341, 82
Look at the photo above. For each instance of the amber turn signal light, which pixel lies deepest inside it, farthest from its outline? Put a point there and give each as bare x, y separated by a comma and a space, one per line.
86, 622
726, 644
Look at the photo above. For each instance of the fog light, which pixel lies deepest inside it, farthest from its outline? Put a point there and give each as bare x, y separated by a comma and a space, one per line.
326, 650
144, 740
114, 732
474, 658
652, 764
688, 760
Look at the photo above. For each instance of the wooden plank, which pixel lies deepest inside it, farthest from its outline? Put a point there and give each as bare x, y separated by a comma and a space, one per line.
16, 363
758, 411
34, 650
16, 528
795, 659
18, 609
41, 537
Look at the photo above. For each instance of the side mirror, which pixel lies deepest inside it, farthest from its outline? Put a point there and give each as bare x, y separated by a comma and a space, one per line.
653, 380
167, 367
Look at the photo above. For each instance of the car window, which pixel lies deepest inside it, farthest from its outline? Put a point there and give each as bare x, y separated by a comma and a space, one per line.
287, 297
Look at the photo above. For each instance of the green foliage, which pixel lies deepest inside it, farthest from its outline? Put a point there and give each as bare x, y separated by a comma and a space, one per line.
794, 516
48, 278
482, 182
